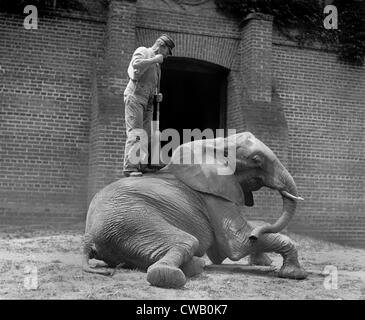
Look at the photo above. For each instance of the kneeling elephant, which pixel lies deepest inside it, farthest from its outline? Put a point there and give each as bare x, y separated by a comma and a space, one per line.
165, 221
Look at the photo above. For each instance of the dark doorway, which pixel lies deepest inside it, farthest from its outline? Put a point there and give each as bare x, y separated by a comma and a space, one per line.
194, 95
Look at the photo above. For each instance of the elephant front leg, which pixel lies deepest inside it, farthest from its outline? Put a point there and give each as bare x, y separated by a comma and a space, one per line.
259, 259
166, 272
283, 245
193, 267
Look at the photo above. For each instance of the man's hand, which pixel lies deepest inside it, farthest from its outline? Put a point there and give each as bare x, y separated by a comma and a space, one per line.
158, 58
159, 97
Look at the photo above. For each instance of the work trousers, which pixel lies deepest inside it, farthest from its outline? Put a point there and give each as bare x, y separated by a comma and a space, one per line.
138, 117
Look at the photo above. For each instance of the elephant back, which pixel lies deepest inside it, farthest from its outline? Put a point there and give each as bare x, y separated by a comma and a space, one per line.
155, 195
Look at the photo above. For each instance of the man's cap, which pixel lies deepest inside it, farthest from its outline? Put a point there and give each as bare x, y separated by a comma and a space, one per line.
168, 42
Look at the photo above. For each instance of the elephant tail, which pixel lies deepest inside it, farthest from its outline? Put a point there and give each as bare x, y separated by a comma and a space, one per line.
89, 253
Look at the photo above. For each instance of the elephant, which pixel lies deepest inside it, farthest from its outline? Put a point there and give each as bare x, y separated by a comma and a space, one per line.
165, 222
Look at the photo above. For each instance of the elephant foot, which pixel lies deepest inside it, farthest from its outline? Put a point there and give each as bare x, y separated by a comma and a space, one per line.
293, 272
87, 268
259, 259
291, 268
193, 267
99, 264
104, 272
165, 276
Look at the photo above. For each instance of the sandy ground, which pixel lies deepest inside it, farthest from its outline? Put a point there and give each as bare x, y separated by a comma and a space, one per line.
44, 263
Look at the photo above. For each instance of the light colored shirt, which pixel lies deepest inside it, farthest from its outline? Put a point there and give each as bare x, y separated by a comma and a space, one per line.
144, 77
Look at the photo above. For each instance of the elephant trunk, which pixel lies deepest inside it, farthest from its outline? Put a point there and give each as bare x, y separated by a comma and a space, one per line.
288, 191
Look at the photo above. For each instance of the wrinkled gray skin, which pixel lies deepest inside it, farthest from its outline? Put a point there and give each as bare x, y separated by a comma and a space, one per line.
163, 222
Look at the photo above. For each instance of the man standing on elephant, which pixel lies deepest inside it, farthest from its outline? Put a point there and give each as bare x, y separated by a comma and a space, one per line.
143, 87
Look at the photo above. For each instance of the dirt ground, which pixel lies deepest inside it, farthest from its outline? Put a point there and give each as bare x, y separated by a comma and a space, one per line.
44, 263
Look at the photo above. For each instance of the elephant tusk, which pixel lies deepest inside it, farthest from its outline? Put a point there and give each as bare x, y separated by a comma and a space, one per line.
290, 196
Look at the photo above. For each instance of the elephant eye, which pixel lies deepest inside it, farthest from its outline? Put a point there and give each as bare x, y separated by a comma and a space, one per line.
256, 159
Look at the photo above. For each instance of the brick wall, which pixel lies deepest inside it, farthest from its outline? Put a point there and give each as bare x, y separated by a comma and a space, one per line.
107, 133
260, 106
62, 127
324, 105
212, 39
45, 94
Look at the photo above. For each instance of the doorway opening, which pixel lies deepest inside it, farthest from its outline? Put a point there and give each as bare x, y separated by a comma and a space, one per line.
194, 95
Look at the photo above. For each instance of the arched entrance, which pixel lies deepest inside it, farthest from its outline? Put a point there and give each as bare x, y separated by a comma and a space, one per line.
195, 94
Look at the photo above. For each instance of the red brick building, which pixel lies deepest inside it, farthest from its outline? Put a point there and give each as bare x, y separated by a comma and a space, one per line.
61, 109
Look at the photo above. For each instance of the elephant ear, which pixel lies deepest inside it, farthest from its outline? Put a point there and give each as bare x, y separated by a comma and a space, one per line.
198, 166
